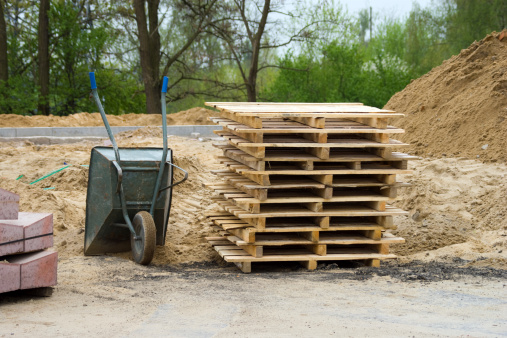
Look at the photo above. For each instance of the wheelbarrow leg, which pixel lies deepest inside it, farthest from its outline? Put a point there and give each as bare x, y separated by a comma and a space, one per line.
143, 247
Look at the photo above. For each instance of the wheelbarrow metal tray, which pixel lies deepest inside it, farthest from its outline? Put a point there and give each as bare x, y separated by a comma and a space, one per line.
103, 205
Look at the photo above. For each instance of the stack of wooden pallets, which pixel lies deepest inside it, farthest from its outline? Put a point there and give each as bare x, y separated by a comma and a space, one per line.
306, 182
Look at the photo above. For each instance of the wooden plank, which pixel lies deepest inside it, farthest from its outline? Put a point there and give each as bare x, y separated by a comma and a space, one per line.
368, 229
302, 110
342, 210
316, 104
302, 257
340, 196
276, 141
280, 126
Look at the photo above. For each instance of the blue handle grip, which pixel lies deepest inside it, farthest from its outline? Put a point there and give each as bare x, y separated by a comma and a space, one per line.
164, 84
92, 80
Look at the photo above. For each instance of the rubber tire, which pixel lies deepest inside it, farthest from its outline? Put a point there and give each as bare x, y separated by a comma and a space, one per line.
144, 249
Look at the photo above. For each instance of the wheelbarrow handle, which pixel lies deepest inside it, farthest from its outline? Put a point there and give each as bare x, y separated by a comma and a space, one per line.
95, 94
93, 83
179, 182
156, 191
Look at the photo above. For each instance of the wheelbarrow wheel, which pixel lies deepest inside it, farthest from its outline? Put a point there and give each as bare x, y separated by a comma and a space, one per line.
143, 248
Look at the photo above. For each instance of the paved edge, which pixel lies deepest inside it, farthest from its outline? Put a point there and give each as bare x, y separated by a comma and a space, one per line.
87, 132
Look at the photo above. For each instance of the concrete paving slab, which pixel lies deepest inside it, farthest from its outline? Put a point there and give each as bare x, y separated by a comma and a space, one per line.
9, 233
38, 269
10, 277
9, 205
28, 226
38, 224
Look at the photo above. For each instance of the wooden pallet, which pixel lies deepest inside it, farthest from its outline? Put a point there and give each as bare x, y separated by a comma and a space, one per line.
313, 115
241, 190
327, 176
311, 242
230, 252
228, 221
261, 192
318, 149
284, 127
309, 165
383, 217
351, 157
308, 198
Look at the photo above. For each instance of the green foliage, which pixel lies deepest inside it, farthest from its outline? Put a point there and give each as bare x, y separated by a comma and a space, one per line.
79, 50
469, 20
344, 73
329, 60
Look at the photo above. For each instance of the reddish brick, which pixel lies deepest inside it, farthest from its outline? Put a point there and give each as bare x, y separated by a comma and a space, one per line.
36, 225
9, 205
10, 277
9, 233
38, 269
29, 225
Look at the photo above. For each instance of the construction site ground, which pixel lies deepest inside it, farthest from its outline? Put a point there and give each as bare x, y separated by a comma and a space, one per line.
449, 279
114, 297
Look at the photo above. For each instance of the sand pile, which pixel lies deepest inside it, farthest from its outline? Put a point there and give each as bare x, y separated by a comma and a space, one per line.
193, 116
456, 206
459, 108
65, 194
456, 211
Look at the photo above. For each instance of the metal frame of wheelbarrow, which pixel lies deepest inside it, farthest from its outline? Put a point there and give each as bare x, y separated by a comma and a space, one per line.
142, 228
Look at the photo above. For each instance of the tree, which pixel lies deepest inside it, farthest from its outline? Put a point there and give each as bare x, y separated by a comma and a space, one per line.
43, 106
254, 36
4, 62
149, 42
467, 21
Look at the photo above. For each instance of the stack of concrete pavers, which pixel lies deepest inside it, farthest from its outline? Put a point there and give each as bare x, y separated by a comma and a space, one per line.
26, 262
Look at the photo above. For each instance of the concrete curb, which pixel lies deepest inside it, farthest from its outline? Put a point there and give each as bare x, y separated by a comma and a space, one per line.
87, 132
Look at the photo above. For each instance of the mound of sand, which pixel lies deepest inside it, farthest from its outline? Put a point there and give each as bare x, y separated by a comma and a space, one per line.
460, 107
456, 211
193, 116
65, 196
456, 206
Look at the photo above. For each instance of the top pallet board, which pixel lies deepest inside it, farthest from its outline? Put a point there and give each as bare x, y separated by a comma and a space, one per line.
253, 114
303, 108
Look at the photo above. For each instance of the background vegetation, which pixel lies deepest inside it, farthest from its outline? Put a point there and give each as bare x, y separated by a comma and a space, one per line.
241, 50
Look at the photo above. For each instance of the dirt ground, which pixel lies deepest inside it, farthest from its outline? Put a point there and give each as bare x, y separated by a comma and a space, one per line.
114, 297
448, 281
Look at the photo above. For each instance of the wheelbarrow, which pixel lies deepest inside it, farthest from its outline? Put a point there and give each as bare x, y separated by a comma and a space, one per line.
129, 194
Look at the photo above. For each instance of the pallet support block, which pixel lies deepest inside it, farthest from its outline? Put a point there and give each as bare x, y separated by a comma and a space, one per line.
254, 250
245, 267
309, 265
322, 222
374, 263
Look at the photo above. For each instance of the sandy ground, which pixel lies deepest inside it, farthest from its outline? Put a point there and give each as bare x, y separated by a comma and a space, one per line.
449, 280
113, 297
456, 206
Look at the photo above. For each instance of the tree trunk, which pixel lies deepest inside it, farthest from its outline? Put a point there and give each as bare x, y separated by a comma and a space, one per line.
149, 52
43, 105
251, 86
4, 69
